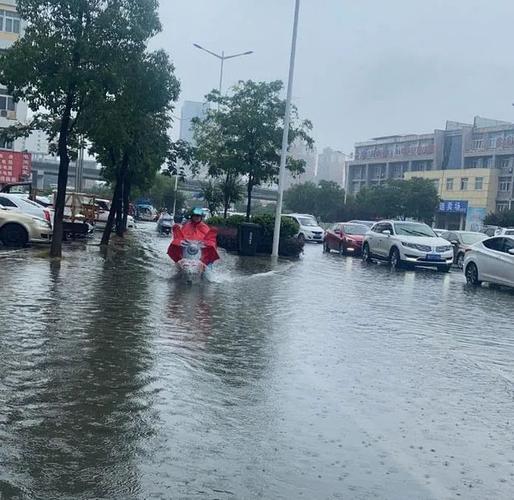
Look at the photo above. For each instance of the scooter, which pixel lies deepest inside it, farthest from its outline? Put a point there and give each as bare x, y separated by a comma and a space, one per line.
165, 224
190, 266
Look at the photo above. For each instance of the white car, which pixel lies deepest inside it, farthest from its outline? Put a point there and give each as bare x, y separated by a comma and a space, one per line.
103, 208
21, 203
491, 260
17, 229
309, 228
407, 244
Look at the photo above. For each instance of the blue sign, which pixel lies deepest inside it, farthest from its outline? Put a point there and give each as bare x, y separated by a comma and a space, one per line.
457, 206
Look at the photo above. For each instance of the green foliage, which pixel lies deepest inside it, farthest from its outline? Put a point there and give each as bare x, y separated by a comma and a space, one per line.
288, 226
213, 196
71, 53
241, 135
162, 193
502, 219
416, 198
232, 221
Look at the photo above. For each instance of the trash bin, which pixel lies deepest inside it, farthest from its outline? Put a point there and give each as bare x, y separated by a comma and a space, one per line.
249, 236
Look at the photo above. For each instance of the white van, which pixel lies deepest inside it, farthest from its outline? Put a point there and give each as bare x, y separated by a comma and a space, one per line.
309, 228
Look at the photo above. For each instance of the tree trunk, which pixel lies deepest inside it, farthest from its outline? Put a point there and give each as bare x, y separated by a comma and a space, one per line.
126, 202
249, 202
119, 206
116, 198
62, 180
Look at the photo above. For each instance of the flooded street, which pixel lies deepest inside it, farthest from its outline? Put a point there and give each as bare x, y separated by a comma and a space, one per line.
319, 379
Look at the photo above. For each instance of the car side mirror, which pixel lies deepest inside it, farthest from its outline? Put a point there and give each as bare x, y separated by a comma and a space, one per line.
511, 251
337, 231
386, 232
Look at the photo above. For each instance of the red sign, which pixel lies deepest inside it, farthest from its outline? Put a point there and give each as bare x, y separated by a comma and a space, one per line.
14, 166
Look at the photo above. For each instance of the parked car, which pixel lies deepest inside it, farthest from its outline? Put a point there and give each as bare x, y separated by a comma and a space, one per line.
405, 243
491, 260
462, 242
309, 228
103, 207
439, 232
17, 229
345, 237
368, 223
21, 203
505, 231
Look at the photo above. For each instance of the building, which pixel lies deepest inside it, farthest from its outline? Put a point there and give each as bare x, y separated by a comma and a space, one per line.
471, 166
37, 142
11, 28
190, 110
332, 166
300, 151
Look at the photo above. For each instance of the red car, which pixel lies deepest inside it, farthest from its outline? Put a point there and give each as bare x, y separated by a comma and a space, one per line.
345, 237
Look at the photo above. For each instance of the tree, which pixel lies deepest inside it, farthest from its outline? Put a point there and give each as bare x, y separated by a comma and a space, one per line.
502, 219
161, 193
420, 200
325, 200
241, 135
65, 56
213, 196
128, 130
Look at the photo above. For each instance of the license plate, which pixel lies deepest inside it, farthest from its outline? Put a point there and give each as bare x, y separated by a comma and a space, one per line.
433, 256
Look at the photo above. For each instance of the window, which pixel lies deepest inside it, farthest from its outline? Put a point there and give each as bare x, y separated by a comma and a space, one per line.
7, 103
378, 228
503, 162
464, 183
436, 184
478, 143
504, 184
486, 162
508, 245
5, 144
9, 21
502, 206
6, 202
495, 244
479, 183
449, 184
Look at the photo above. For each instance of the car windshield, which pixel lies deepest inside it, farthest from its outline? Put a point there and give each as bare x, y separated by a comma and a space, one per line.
355, 229
307, 221
471, 238
412, 229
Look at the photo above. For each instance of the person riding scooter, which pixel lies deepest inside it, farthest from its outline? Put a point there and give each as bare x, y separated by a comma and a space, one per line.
194, 230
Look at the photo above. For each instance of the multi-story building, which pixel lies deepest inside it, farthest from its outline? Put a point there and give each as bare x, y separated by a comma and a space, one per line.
332, 166
300, 151
190, 110
11, 28
472, 167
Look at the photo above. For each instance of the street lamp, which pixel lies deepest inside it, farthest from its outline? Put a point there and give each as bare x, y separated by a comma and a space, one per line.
222, 58
285, 137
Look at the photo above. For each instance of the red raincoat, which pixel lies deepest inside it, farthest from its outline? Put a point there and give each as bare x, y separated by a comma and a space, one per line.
194, 231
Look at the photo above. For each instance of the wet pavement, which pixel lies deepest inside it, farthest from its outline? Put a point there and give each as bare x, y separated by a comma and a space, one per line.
319, 379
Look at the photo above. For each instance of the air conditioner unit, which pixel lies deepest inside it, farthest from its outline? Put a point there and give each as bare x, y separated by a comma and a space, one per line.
3, 113
11, 115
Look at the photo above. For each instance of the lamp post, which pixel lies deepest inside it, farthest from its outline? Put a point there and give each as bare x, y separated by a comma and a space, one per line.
285, 137
222, 57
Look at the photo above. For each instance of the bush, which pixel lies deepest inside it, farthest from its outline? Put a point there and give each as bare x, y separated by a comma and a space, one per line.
502, 219
232, 221
288, 226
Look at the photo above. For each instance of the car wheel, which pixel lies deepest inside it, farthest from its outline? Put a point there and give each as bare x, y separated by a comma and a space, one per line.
366, 254
394, 258
301, 238
14, 235
472, 275
460, 261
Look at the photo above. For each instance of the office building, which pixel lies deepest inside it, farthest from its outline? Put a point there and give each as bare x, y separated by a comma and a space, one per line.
471, 166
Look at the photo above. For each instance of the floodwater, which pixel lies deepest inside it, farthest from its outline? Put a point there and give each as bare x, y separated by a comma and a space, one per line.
322, 378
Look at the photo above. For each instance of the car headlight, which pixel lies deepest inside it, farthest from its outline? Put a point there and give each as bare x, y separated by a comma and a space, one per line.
444, 249
421, 248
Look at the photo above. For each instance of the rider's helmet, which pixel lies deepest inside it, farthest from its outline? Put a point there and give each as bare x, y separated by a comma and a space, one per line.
197, 211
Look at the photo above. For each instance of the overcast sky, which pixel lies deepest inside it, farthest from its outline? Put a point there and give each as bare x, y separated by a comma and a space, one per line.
365, 68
